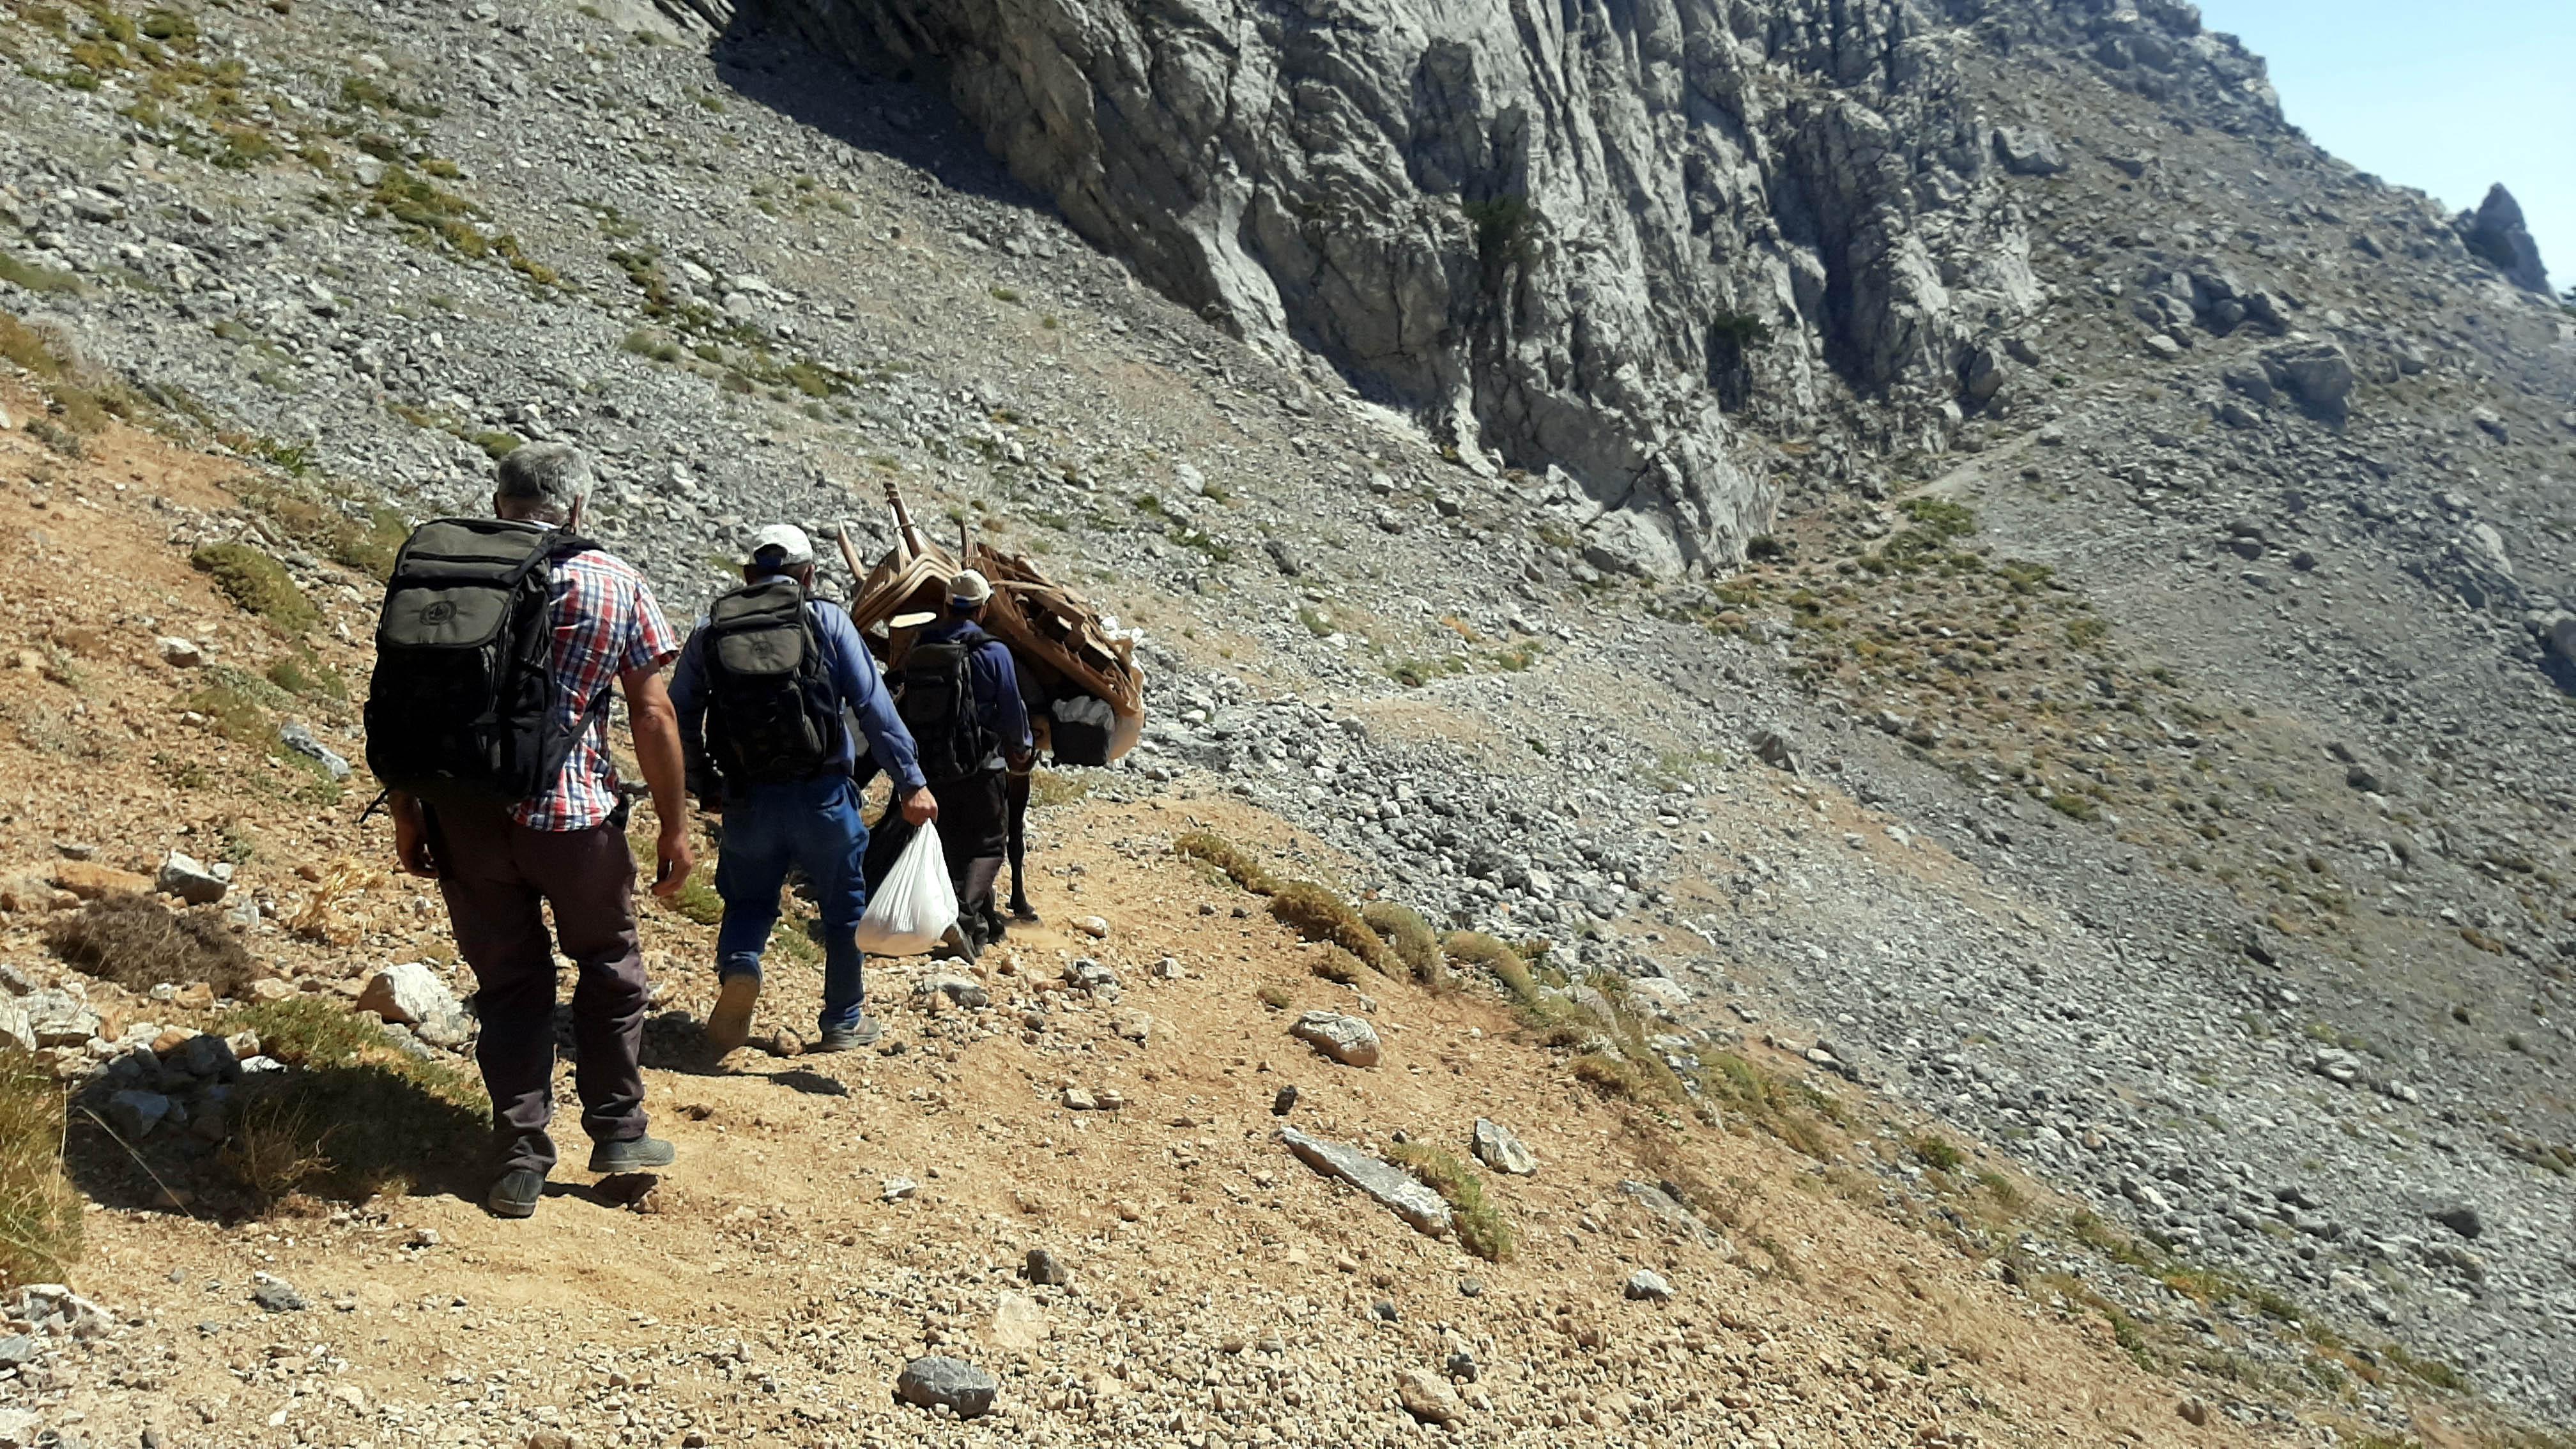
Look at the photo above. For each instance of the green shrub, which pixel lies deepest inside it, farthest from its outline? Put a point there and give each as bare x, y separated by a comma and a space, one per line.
259, 584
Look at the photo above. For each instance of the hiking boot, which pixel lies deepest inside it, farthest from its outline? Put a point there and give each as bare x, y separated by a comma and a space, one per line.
1023, 912
633, 1154
862, 1032
729, 1025
514, 1194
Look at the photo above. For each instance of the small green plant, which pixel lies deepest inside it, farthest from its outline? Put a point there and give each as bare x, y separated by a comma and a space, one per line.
1935, 1152
1941, 517
1481, 1227
355, 1116
259, 584
33, 278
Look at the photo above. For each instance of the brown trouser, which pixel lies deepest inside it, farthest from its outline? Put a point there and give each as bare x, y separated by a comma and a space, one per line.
494, 872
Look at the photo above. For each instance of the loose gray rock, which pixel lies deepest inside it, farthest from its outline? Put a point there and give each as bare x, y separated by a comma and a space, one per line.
2460, 1218
16, 1349
180, 653
2317, 373
276, 1295
1394, 1188
303, 742
938, 1380
1046, 1269
197, 884
1346, 1039
2028, 151
134, 1113
962, 991
412, 995
1648, 1286
1497, 1148
57, 1018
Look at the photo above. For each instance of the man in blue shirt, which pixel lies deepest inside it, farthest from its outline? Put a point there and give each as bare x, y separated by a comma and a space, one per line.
812, 824
968, 753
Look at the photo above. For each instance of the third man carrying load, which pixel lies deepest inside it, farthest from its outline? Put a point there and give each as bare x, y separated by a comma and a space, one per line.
765, 688
959, 694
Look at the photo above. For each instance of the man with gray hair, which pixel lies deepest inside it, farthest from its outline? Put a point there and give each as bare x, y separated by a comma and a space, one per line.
549, 830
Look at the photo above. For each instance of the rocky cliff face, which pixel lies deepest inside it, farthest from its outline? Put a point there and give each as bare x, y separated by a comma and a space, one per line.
1577, 235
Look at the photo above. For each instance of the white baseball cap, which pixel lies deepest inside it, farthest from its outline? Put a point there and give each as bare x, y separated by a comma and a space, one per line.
969, 587
794, 548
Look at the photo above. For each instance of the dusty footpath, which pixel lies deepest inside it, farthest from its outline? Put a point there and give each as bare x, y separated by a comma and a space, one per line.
831, 1218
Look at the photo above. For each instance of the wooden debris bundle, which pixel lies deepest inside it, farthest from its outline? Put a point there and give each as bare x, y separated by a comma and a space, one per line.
1055, 636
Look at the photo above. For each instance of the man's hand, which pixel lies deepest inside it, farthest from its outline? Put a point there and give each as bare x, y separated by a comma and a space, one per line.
672, 859
411, 837
920, 807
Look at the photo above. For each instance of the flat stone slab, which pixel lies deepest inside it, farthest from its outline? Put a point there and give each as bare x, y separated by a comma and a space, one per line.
1392, 1186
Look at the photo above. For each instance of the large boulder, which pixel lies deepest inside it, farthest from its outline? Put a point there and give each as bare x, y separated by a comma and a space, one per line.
2496, 234
1626, 541
2318, 372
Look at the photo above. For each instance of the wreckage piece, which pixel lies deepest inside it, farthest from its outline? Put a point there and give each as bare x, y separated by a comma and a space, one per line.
1057, 638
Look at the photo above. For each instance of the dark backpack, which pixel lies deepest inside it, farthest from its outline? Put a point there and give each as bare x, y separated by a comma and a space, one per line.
935, 695
772, 713
461, 707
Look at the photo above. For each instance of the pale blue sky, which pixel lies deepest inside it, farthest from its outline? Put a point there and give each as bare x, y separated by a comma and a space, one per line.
2445, 96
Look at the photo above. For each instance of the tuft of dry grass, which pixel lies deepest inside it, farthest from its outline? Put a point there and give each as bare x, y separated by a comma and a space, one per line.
40, 1213
357, 1116
1481, 1227
1790, 1110
1469, 950
1230, 859
1275, 996
1410, 938
1318, 914
139, 943
1335, 964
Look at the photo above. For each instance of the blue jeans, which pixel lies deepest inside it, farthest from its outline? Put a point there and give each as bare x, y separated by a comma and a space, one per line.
814, 826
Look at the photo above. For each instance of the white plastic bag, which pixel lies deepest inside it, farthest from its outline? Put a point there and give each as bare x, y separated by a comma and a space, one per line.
914, 906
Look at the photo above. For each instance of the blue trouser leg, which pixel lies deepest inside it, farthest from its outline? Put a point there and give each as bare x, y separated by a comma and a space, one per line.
830, 852
759, 836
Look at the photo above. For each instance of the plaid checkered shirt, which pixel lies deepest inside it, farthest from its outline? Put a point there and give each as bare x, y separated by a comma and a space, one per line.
606, 624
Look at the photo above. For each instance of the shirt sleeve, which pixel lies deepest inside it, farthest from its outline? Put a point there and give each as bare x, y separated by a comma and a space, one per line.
1009, 718
862, 688
649, 642
689, 698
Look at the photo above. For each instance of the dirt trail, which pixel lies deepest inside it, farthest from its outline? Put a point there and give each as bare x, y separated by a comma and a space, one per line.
766, 1290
